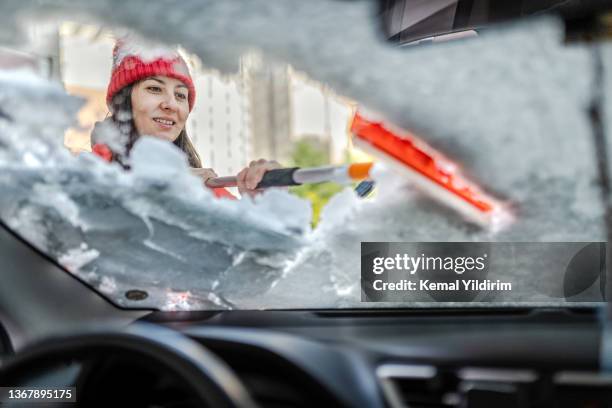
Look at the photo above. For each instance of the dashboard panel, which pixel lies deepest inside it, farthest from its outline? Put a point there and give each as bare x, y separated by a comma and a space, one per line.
378, 358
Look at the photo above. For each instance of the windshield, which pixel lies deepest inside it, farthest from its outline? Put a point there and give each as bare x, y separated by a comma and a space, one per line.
498, 140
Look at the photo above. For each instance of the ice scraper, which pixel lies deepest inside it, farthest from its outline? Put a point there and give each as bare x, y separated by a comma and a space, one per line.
295, 176
428, 169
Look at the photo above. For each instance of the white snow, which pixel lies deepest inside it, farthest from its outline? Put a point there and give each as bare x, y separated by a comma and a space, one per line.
76, 258
52, 197
154, 225
108, 286
106, 132
146, 50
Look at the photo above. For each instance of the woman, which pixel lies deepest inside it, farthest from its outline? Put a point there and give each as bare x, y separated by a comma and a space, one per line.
151, 93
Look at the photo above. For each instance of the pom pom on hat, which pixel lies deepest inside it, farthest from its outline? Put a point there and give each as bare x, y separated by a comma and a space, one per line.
133, 62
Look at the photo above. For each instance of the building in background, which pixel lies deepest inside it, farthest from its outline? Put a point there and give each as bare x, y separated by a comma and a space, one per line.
219, 124
321, 116
16, 59
38, 54
270, 107
85, 60
42, 46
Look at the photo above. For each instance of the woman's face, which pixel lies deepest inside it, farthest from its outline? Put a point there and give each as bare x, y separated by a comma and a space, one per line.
160, 107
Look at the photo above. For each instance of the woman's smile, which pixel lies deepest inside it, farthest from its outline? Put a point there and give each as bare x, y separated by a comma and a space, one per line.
164, 124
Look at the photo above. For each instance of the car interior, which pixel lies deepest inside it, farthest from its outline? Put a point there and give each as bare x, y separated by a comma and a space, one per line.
57, 331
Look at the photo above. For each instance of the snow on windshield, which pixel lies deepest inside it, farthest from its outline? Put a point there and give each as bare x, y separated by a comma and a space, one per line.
154, 226
510, 106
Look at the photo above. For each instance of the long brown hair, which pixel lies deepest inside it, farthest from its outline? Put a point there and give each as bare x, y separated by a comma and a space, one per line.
121, 115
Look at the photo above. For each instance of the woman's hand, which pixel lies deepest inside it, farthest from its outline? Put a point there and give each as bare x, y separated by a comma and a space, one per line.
250, 176
203, 174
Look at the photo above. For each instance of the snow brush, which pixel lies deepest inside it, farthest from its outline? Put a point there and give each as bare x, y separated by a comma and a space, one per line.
433, 173
296, 176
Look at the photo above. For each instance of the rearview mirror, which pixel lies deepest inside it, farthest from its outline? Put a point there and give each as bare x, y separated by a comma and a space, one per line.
422, 21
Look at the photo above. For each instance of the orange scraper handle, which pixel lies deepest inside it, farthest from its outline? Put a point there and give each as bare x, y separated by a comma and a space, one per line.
360, 171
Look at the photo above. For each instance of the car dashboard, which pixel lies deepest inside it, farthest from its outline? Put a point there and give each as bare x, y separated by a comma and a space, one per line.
407, 358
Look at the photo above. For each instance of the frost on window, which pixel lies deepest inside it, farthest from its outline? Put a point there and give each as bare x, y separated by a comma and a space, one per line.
510, 107
153, 226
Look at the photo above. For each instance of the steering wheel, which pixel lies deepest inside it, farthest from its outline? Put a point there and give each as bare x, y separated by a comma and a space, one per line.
133, 360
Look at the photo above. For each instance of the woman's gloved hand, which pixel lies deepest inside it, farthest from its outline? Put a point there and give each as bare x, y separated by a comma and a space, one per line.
250, 176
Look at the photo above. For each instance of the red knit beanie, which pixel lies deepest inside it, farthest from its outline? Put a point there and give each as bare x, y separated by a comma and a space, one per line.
133, 62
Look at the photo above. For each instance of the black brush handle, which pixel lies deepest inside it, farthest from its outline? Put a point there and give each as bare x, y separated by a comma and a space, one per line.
278, 178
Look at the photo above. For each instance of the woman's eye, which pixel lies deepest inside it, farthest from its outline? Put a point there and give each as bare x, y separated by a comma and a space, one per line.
181, 96
154, 88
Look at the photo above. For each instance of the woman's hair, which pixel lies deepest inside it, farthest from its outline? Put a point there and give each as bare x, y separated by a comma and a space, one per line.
121, 111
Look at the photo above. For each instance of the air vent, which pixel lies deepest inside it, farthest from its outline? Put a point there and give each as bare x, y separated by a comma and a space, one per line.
582, 389
417, 386
424, 386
